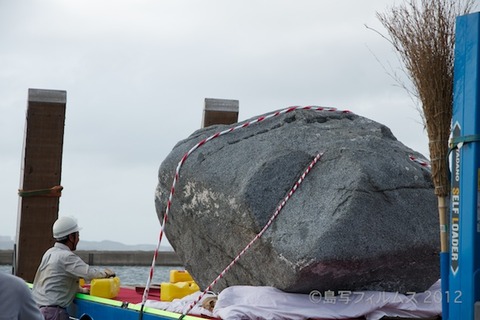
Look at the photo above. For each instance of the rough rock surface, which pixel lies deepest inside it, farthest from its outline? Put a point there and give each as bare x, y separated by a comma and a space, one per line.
365, 217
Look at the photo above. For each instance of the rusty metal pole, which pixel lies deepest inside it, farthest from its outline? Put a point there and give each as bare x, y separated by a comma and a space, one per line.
41, 170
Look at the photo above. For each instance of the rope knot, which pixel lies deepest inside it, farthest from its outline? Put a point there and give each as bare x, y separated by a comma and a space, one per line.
55, 192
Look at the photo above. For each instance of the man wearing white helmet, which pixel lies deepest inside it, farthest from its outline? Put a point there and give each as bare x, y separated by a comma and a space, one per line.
57, 279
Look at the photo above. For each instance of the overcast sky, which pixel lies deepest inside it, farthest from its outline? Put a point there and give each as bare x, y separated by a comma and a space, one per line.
137, 72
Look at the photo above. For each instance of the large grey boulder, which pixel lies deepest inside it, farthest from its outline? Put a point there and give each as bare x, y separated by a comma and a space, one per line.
364, 218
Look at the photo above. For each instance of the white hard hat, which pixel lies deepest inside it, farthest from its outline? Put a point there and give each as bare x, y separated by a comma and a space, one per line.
64, 226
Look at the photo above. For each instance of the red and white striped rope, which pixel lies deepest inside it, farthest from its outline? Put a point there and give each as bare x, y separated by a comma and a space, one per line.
423, 163
195, 147
267, 225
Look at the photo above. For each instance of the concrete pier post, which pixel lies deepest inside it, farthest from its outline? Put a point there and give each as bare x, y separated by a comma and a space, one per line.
220, 111
40, 178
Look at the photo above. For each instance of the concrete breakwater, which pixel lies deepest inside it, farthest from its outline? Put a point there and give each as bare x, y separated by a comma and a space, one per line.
114, 258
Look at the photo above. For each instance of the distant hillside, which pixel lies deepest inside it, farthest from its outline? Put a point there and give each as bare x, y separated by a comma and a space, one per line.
6, 243
107, 245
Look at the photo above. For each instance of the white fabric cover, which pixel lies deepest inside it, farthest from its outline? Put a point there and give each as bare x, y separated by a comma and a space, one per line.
182, 305
247, 302
250, 302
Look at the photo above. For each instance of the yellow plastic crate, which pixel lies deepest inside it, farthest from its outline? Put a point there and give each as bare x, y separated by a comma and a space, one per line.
178, 290
180, 276
105, 288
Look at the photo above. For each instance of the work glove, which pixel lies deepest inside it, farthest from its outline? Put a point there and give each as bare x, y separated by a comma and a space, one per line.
109, 273
85, 290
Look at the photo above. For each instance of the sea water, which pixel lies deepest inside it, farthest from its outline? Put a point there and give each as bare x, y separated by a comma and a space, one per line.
129, 275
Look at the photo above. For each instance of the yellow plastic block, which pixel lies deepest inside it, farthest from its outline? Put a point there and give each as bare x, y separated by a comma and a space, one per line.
105, 288
178, 290
180, 276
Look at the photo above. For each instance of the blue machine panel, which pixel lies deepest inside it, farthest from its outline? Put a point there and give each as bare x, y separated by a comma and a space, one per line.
464, 208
